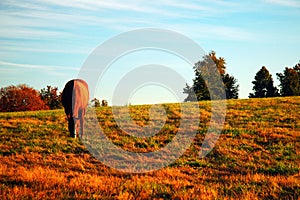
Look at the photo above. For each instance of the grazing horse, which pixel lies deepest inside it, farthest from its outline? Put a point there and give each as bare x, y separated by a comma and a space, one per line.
75, 98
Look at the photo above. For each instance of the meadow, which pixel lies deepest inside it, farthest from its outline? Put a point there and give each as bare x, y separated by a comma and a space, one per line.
257, 156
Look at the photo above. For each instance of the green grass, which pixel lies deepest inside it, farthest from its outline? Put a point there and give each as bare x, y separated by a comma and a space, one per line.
256, 157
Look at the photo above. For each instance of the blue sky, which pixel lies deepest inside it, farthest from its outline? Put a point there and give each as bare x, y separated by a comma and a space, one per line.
46, 42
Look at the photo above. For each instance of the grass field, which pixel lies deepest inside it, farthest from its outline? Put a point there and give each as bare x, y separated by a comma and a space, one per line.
256, 157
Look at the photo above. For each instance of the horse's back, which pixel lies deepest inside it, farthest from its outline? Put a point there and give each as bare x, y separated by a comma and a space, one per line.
75, 95
80, 94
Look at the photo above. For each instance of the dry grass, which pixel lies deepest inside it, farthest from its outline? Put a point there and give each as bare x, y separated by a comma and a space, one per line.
256, 157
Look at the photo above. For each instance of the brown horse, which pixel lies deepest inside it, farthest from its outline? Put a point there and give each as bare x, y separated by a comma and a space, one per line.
75, 98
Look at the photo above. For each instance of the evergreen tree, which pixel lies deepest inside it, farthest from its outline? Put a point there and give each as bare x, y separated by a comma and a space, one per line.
191, 95
290, 81
231, 87
263, 85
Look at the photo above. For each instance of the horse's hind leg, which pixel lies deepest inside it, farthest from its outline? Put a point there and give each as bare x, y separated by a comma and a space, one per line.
81, 117
71, 126
81, 126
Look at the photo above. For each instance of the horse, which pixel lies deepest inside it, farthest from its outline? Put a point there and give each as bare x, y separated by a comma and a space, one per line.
75, 99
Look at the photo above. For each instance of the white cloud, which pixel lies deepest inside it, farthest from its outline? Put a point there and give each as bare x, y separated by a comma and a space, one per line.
290, 3
43, 49
40, 67
29, 33
174, 8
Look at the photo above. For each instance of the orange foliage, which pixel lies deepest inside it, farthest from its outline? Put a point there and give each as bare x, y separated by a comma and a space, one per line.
20, 98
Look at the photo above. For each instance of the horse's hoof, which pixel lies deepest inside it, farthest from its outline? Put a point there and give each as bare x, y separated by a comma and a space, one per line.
73, 135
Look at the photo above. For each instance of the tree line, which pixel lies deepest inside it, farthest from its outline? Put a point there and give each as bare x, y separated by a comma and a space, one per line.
25, 98
263, 85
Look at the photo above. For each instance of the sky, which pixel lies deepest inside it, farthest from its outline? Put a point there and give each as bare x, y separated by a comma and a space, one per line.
47, 42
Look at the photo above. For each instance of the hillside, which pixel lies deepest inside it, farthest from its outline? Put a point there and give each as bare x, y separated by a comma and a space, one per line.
256, 157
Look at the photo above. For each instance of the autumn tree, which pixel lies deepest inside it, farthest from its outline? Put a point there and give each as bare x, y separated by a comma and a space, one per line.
20, 98
290, 81
263, 85
51, 97
206, 68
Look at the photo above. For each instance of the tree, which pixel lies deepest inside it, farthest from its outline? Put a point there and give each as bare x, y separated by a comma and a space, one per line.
199, 88
191, 95
206, 68
290, 81
231, 87
51, 97
95, 102
20, 98
263, 85
219, 62
104, 103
